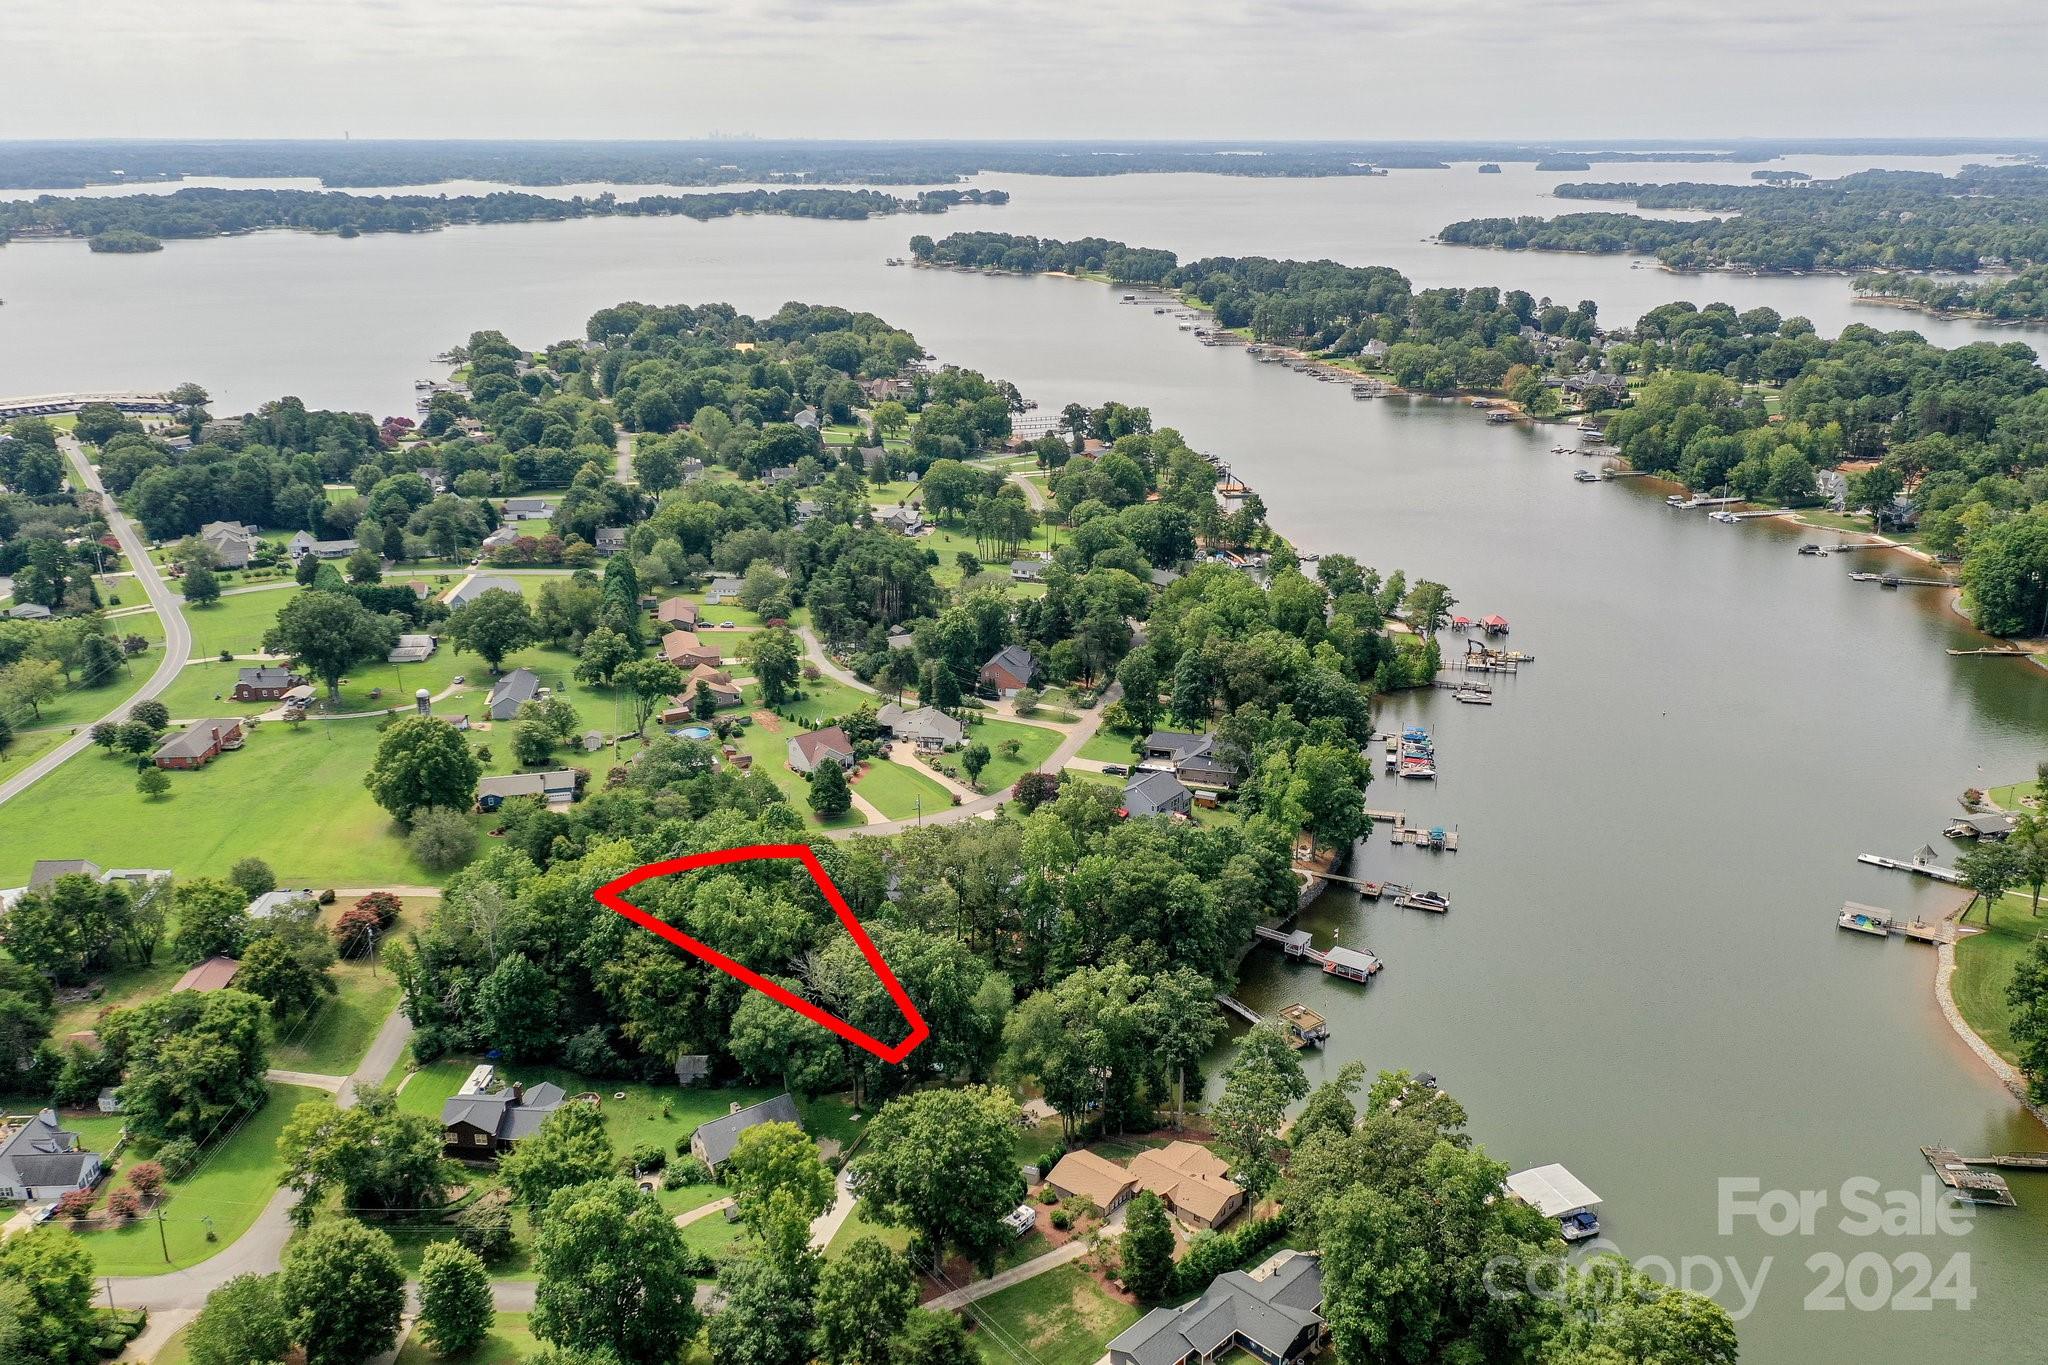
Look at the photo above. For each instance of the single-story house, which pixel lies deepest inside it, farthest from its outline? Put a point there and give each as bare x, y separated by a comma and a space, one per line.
683, 649
478, 1123
713, 1142
677, 611
504, 535
198, 744
1273, 1313
1587, 383
611, 539
413, 649
724, 693
511, 692
1028, 570
693, 468
721, 591
901, 518
804, 512
557, 788
872, 459
476, 586
1374, 349
1156, 793
265, 684
39, 1160
1010, 671
46, 870
812, 747
214, 974
528, 509
28, 611
1193, 758
781, 473
927, 727
1081, 1173
303, 544
807, 418
232, 543
1193, 1181
272, 904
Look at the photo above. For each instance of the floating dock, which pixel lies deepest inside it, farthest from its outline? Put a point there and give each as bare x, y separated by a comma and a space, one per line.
1919, 867
1970, 1186
1436, 839
1354, 964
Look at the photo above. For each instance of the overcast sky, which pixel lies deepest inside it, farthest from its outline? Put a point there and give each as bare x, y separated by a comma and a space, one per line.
1509, 69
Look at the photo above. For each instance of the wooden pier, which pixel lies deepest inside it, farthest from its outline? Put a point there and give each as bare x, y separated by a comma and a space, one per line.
1241, 1010
2011, 1161
1880, 923
2006, 653
1369, 890
1972, 1187
1892, 580
1917, 867
1419, 837
1386, 817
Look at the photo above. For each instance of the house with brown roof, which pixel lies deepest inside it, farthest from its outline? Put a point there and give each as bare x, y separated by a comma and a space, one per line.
1193, 1181
724, 693
1103, 1183
683, 649
677, 611
214, 974
813, 747
198, 744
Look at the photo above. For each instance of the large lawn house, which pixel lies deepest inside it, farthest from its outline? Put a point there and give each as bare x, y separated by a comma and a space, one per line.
713, 1142
476, 586
685, 650
611, 540
233, 545
679, 612
303, 544
1156, 793
40, 1161
927, 727
265, 684
813, 747
484, 1119
528, 509
725, 694
1273, 1313
556, 788
1010, 671
1193, 758
1193, 1181
723, 591
1082, 1174
214, 974
511, 692
198, 744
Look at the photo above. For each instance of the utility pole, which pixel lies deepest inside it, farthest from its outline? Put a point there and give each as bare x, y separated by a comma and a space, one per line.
161, 1240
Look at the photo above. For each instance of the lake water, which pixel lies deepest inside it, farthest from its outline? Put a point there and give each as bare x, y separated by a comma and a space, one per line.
1641, 977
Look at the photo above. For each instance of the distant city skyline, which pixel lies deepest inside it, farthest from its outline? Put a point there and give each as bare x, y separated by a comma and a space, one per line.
1265, 69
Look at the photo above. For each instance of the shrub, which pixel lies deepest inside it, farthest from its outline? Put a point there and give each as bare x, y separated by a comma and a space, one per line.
485, 1227
123, 1203
383, 905
442, 840
688, 1170
1062, 1220
355, 929
179, 1157
253, 876
648, 1157
146, 1177
1048, 1195
76, 1203
1212, 1253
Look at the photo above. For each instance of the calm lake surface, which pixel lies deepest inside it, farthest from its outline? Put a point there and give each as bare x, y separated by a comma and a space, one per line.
1641, 977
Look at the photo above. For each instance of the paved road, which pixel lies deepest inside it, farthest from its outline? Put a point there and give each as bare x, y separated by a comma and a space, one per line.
177, 635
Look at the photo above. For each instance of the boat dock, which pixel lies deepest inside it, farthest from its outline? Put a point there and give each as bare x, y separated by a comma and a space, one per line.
2005, 653
1353, 964
2011, 1161
1892, 580
1920, 866
1972, 1187
1369, 890
1241, 1010
1386, 817
1436, 838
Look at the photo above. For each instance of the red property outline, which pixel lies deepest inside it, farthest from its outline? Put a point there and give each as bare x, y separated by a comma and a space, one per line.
611, 896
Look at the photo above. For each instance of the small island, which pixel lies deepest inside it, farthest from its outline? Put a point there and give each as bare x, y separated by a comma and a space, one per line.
1489, 168
122, 242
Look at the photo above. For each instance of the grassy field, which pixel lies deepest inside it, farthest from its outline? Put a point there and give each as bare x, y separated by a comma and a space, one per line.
1035, 744
895, 789
509, 1341
769, 750
1062, 1317
1105, 747
334, 1040
26, 748
294, 798
237, 622
233, 1183
826, 699
1984, 967
81, 703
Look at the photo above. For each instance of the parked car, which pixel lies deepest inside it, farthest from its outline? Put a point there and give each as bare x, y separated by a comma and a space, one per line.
1116, 770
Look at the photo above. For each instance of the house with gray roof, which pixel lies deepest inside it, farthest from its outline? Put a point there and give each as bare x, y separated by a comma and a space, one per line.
1010, 671
557, 788
303, 544
807, 418
1274, 1313
198, 744
413, 649
1156, 793
722, 591
926, 726
267, 683
232, 543
1194, 758
611, 540
41, 1161
528, 509
479, 1124
476, 586
28, 611
713, 1142
511, 692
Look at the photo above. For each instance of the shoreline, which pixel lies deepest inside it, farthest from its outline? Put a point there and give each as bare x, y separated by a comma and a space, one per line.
2003, 1071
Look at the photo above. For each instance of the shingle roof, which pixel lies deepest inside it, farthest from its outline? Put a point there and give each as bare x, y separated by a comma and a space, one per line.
815, 744
476, 587
1016, 661
1189, 1177
1095, 1177
1270, 1312
196, 738
518, 686
721, 1134
500, 1114
47, 870
214, 974
267, 677
1150, 793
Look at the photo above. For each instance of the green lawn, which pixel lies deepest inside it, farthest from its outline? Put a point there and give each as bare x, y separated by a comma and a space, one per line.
26, 748
895, 790
1985, 963
509, 1341
237, 622
120, 987
856, 1227
825, 699
1063, 1317
1035, 744
1105, 747
233, 1183
80, 703
293, 797
770, 751
334, 1040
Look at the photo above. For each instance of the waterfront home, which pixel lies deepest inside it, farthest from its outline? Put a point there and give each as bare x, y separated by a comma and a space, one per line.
926, 726
198, 744
1010, 671
214, 974
476, 586
478, 1124
677, 611
41, 1161
511, 692
1193, 1181
1374, 350
265, 684
713, 1142
683, 649
303, 544
1156, 793
1273, 1313
813, 747
557, 788
413, 649
1193, 758
1083, 1174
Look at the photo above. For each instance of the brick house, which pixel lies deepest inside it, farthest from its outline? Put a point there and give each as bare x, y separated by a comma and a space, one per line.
198, 744
265, 684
